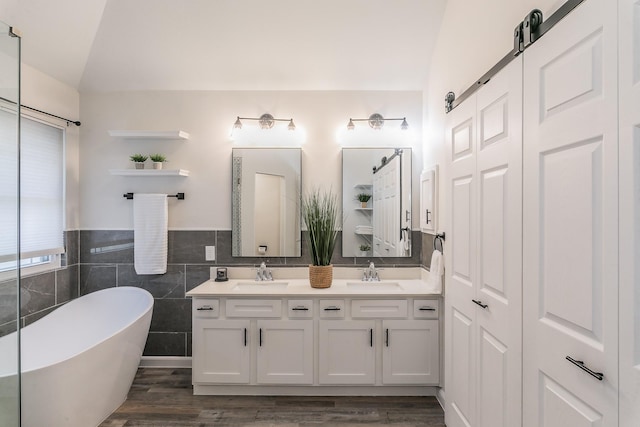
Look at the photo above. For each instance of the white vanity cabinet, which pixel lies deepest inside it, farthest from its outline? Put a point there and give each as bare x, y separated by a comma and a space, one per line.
347, 353
312, 346
223, 351
285, 352
410, 352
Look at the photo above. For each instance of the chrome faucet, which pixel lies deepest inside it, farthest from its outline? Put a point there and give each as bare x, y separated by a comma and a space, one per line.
370, 274
263, 273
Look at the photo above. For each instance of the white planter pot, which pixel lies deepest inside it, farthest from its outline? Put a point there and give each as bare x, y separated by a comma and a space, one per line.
157, 165
139, 165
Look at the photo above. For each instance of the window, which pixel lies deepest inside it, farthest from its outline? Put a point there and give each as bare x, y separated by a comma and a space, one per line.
41, 195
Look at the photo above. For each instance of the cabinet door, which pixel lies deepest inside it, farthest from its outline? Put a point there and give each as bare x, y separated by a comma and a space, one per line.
285, 352
428, 200
570, 221
411, 352
221, 351
347, 353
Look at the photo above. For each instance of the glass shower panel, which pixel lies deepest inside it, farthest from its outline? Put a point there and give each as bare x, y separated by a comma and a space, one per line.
9, 250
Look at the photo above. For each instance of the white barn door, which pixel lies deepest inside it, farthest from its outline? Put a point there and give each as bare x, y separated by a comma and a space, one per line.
483, 348
570, 222
629, 84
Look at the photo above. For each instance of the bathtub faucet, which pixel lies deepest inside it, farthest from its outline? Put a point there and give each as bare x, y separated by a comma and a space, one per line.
263, 273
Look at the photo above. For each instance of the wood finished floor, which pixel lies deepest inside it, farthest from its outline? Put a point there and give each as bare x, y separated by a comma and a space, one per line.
164, 398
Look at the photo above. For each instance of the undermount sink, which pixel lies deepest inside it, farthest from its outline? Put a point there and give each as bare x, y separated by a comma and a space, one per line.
375, 286
259, 286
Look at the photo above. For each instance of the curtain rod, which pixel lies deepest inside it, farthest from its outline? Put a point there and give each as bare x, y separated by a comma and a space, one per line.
75, 122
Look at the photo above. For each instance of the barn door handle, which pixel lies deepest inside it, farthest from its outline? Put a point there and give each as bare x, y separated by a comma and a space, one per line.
580, 364
480, 303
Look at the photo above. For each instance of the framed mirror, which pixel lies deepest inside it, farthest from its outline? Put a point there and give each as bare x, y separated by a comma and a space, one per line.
266, 202
376, 202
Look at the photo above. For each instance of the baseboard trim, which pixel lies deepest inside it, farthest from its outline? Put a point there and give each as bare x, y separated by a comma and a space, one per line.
440, 397
170, 362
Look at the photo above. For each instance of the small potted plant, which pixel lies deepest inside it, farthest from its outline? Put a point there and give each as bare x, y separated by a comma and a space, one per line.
138, 160
364, 250
363, 198
321, 215
158, 160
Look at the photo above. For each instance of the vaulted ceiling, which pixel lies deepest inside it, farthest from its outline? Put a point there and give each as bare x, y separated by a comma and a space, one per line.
105, 45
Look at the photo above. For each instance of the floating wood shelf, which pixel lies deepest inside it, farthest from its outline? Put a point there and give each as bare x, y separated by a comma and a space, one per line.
149, 172
150, 134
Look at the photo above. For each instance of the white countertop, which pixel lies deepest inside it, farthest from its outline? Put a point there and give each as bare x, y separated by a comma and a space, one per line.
405, 282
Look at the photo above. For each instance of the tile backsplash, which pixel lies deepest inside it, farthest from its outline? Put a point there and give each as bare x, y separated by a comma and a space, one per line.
100, 259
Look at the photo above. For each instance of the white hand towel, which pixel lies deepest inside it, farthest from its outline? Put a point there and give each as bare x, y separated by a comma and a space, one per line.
435, 271
150, 235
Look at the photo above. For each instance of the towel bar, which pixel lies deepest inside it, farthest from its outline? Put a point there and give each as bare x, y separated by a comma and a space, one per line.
179, 196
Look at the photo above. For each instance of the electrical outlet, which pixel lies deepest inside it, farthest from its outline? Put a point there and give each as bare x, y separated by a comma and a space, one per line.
210, 253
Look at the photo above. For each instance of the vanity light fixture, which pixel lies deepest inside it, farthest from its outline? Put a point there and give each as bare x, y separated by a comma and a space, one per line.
376, 121
265, 121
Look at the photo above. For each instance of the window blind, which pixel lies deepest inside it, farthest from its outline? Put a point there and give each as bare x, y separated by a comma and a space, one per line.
8, 185
41, 191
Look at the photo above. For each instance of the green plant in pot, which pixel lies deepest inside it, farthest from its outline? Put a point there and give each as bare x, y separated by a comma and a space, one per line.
363, 198
364, 250
139, 160
322, 217
158, 160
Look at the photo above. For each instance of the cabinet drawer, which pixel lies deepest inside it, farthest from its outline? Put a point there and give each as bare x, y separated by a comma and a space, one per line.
332, 309
253, 308
425, 309
206, 308
378, 308
300, 308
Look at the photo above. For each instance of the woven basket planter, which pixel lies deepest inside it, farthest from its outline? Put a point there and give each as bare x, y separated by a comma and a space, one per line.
320, 276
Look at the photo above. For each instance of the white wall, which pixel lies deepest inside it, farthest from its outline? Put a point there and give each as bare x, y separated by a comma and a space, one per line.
42, 92
208, 116
473, 37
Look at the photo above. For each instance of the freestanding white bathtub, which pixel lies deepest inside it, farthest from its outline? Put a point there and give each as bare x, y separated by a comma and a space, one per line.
78, 362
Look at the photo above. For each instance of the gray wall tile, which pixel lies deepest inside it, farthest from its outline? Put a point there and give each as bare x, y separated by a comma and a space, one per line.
8, 328
94, 277
187, 247
165, 344
67, 284
8, 301
196, 275
427, 249
168, 285
37, 293
72, 246
171, 315
106, 246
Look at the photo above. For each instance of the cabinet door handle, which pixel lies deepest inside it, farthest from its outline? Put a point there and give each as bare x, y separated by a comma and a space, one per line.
428, 220
260, 337
427, 309
371, 337
480, 303
245, 337
580, 364
205, 308
332, 308
300, 309
387, 337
